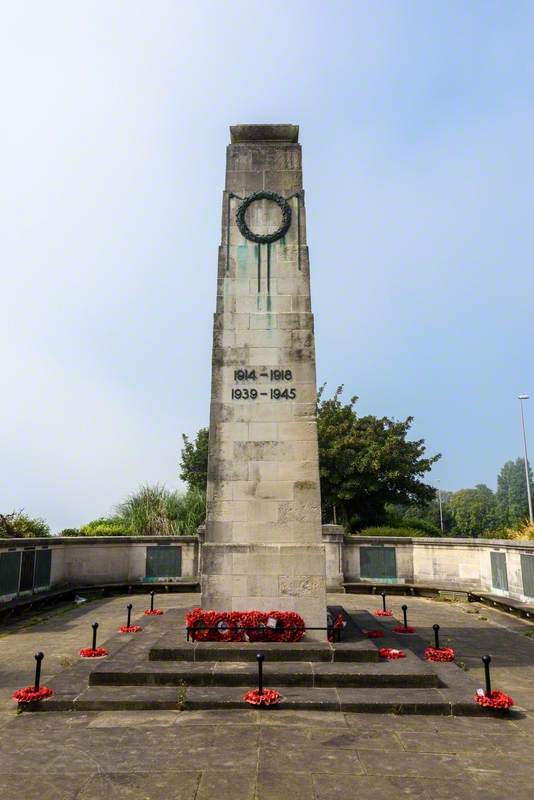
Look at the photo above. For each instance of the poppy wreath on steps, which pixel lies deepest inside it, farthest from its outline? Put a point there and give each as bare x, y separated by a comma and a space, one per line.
374, 634
88, 652
443, 654
404, 629
498, 700
130, 629
241, 626
153, 612
29, 695
382, 613
269, 697
391, 653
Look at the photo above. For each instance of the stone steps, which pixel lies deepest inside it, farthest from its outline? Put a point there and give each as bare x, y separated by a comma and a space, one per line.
409, 672
173, 648
157, 698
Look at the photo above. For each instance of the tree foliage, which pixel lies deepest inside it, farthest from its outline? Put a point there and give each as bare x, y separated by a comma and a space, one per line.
474, 510
194, 460
511, 495
19, 526
367, 462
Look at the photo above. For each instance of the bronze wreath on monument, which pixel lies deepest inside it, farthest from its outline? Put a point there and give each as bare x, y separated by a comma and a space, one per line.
267, 238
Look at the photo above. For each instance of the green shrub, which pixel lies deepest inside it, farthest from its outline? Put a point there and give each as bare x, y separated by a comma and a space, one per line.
389, 531
107, 526
70, 532
157, 511
19, 526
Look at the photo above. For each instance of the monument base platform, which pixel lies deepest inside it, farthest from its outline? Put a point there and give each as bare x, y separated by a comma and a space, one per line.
267, 577
158, 669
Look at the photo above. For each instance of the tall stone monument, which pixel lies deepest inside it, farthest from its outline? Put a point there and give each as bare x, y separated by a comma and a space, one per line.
263, 546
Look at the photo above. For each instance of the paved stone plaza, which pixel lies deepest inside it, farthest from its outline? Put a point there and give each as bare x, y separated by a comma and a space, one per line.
273, 753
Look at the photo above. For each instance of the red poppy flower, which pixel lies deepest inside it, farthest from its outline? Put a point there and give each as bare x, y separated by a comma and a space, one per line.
496, 699
269, 697
88, 652
234, 626
402, 629
391, 653
381, 613
154, 612
29, 695
375, 634
130, 629
439, 654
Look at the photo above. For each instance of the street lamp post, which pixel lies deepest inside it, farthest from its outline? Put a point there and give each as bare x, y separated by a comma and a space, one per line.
521, 398
440, 508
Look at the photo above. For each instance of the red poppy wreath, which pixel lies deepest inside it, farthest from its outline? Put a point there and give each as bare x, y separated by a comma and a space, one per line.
495, 699
88, 652
269, 697
153, 612
391, 653
443, 654
130, 629
30, 695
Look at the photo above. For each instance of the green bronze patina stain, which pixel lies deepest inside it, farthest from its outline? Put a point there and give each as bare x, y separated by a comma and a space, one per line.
242, 258
269, 308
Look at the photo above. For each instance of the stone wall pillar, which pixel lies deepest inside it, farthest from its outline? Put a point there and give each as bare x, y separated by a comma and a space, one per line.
334, 539
263, 546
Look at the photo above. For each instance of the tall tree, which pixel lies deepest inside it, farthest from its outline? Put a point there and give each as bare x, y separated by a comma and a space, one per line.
512, 498
194, 460
366, 462
474, 510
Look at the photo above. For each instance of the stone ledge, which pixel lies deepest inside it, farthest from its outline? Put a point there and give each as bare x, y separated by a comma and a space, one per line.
264, 133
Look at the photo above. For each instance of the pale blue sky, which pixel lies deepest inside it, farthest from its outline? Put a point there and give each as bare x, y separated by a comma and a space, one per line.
416, 124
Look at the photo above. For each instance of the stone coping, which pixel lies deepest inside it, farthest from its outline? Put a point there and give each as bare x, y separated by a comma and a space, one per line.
264, 133
438, 541
95, 540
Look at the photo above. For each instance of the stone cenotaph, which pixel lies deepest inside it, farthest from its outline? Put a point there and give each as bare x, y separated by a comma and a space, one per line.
263, 547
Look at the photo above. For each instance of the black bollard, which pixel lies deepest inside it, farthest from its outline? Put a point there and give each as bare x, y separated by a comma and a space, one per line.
436, 636
404, 610
129, 607
383, 601
152, 600
38, 658
486, 660
94, 626
259, 659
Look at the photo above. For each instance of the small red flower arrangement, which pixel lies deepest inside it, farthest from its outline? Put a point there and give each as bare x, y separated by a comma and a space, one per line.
269, 697
382, 613
439, 654
130, 629
88, 652
375, 634
153, 612
29, 695
391, 653
495, 699
339, 624
403, 629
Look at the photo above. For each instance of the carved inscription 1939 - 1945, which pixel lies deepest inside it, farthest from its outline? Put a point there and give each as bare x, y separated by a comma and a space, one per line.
263, 392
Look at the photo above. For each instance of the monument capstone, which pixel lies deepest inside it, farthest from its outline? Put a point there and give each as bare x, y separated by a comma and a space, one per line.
263, 545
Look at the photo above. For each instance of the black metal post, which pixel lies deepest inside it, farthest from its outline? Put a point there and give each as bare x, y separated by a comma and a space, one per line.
404, 610
436, 635
383, 601
94, 626
152, 600
259, 659
38, 658
129, 607
486, 660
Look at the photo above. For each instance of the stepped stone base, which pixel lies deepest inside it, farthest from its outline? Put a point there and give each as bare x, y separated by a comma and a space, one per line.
158, 669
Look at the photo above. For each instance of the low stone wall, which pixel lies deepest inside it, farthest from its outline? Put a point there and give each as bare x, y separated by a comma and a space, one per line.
31, 565
496, 566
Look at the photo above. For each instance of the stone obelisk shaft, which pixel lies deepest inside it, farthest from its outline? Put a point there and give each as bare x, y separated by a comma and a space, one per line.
263, 545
